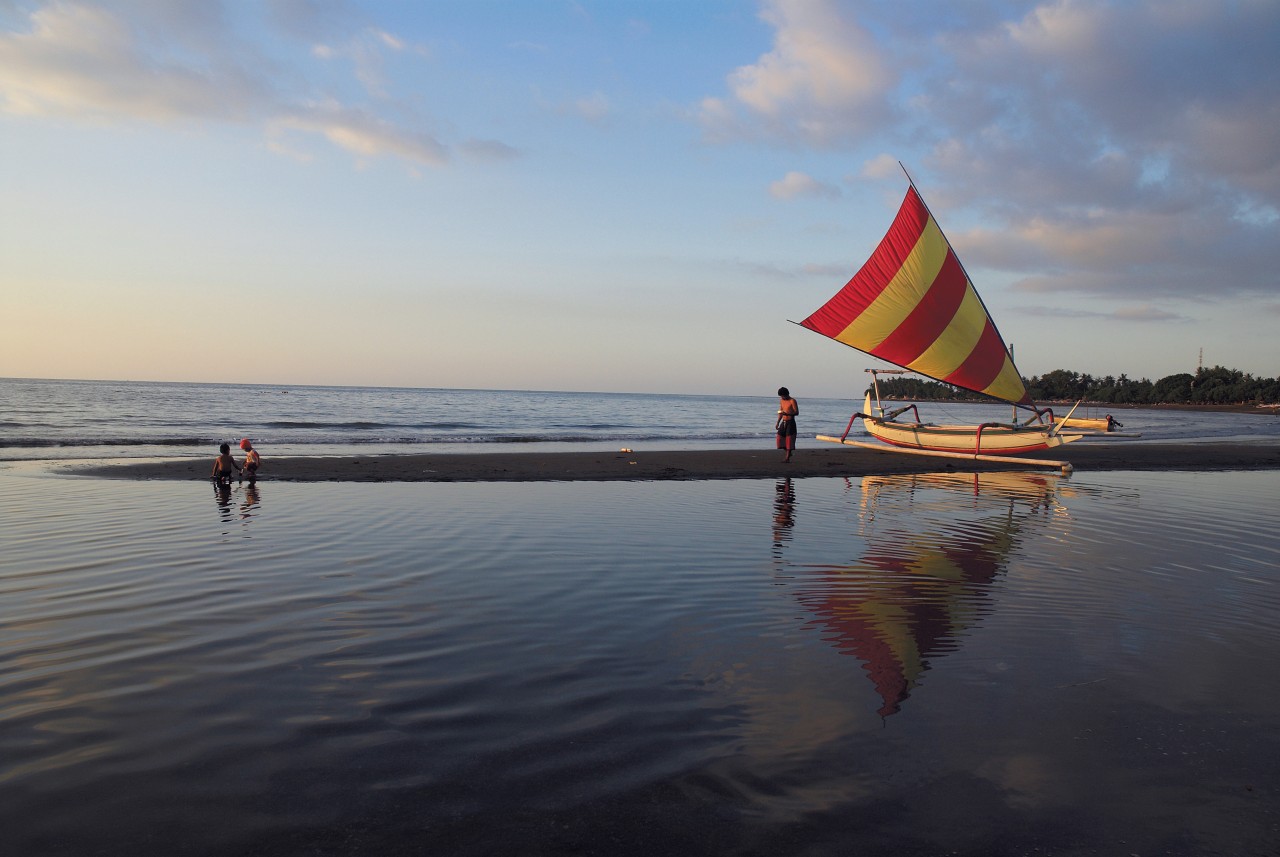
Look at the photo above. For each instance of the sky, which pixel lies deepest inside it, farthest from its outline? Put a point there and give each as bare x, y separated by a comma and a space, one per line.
624, 196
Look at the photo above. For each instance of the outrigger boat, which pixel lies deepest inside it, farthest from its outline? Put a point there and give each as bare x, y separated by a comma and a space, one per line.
1099, 425
991, 438
913, 305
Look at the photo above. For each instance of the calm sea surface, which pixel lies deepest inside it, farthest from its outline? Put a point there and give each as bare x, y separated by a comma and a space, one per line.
118, 419
951, 664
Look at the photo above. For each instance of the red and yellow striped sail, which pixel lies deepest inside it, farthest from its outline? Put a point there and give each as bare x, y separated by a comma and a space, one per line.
912, 305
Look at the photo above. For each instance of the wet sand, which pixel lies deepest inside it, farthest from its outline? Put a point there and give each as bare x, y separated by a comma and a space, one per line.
694, 464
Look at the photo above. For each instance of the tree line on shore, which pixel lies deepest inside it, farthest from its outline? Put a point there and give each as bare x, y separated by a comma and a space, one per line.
1216, 386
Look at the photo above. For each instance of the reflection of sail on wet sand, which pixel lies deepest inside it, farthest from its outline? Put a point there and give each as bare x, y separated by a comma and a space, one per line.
917, 592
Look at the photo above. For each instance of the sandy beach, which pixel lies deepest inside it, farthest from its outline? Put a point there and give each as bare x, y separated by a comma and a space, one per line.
693, 464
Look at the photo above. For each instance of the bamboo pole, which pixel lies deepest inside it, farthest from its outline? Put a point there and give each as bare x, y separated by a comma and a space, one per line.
1064, 466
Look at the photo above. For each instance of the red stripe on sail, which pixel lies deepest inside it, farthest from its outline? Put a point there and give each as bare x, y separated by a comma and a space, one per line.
976, 556
922, 327
983, 364
860, 292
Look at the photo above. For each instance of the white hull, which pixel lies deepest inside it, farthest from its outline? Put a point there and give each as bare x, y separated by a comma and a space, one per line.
996, 439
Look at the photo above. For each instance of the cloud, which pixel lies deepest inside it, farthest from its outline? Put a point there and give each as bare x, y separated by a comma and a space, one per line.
593, 108
832, 271
84, 62
489, 150
881, 166
160, 62
1127, 148
1186, 82
1117, 149
1145, 313
367, 51
795, 184
823, 83
362, 133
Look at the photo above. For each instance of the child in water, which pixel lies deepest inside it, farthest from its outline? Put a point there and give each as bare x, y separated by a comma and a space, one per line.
223, 465
251, 460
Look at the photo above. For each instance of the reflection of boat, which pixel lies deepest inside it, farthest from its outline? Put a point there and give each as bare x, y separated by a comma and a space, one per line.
915, 593
913, 305
1029, 490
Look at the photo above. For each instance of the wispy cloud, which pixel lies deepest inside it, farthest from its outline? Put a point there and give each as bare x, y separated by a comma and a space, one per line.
85, 62
834, 272
1136, 313
594, 108
795, 184
367, 51
170, 63
824, 82
489, 150
362, 133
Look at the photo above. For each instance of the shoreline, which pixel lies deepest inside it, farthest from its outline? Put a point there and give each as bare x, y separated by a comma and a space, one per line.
649, 465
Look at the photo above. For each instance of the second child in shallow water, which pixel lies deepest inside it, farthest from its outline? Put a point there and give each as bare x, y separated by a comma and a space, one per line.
251, 460
788, 410
223, 465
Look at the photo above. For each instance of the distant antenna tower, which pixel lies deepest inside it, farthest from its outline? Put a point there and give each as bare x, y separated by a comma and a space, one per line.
1200, 365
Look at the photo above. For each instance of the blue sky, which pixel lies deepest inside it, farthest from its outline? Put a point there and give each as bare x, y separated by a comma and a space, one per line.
630, 196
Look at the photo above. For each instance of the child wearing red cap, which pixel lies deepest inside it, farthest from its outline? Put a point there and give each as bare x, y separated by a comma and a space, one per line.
251, 460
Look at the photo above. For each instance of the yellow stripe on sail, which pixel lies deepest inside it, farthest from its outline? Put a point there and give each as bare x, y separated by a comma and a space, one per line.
892, 306
894, 626
934, 564
951, 349
1007, 385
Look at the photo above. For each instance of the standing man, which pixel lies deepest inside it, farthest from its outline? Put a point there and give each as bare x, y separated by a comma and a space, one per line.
788, 410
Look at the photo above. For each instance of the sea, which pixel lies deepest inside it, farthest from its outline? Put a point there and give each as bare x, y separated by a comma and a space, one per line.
42, 419
949, 663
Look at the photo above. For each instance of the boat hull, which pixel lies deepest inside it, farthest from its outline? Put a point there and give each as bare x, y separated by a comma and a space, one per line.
995, 440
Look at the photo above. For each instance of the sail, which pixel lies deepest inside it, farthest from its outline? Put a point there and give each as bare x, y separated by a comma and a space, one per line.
912, 305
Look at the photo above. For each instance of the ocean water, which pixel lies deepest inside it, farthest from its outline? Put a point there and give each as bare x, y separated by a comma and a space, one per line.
991, 664
118, 419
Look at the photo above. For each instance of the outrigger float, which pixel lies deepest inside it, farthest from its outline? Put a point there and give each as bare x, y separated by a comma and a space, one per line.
913, 305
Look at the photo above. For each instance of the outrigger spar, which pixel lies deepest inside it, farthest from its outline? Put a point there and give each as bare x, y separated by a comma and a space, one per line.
913, 305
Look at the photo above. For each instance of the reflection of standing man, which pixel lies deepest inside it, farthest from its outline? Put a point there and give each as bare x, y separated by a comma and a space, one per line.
788, 410
784, 511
